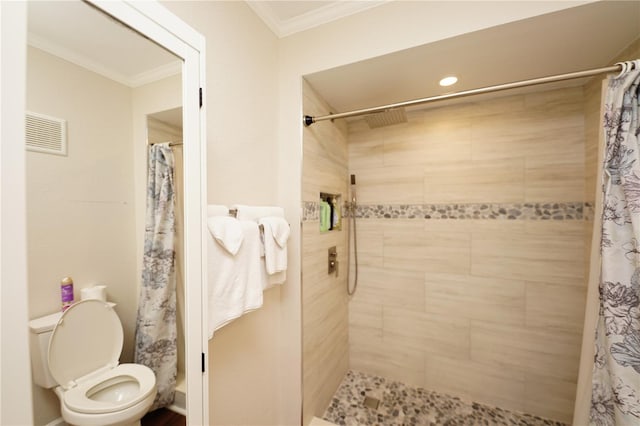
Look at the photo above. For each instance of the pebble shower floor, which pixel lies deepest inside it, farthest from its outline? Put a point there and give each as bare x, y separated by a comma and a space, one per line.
402, 405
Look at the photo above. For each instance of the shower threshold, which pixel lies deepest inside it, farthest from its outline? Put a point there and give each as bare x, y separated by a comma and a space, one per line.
180, 400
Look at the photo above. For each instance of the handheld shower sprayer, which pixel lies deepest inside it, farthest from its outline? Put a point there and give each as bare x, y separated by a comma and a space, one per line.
352, 231
353, 189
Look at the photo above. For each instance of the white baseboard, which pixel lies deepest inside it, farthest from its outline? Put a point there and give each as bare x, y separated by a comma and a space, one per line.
57, 422
177, 409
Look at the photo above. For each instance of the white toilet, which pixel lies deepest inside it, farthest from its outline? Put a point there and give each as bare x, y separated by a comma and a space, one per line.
77, 352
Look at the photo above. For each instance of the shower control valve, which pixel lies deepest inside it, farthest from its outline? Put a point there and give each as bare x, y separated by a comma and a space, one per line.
333, 261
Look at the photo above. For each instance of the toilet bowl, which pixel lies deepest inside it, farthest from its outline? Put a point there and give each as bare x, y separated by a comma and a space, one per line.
84, 344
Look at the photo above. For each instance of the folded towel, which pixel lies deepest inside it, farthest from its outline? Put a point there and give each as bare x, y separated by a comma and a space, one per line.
217, 210
277, 278
269, 281
227, 231
256, 212
276, 228
235, 282
276, 233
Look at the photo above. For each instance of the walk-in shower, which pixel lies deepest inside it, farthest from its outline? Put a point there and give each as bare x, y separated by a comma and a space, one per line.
460, 241
471, 223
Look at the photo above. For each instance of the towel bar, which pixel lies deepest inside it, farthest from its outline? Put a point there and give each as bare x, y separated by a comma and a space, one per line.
234, 213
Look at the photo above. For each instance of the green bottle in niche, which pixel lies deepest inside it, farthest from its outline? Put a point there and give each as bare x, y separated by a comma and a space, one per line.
325, 216
336, 220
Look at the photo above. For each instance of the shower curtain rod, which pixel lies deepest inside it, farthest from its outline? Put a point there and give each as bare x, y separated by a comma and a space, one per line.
309, 120
170, 143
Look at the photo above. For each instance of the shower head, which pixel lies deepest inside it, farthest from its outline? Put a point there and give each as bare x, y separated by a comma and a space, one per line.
387, 117
353, 190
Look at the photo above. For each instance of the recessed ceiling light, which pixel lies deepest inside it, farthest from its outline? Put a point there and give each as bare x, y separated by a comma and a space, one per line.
448, 81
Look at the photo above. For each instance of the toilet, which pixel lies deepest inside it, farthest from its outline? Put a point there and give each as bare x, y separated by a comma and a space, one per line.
76, 353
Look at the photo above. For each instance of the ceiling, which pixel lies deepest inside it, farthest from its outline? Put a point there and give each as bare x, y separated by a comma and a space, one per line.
172, 117
574, 39
577, 38
80, 34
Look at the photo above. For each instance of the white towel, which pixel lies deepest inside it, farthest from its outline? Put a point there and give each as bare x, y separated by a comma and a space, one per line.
276, 233
269, 281
256, 212
227, 231
217, 210
235, 282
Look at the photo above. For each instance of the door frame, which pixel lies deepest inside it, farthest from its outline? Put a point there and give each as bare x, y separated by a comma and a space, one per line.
155, 22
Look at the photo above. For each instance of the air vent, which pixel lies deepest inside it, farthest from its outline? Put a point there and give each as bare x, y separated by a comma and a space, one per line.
46, 134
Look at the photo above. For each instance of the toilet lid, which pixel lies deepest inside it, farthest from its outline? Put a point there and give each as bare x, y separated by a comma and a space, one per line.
87, 337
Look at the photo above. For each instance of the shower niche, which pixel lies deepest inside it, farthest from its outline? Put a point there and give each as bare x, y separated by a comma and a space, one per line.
330, 212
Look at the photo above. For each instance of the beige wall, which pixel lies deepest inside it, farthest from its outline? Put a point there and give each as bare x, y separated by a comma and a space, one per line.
486, 309
159, 131
325, 351
253, 380
80, 219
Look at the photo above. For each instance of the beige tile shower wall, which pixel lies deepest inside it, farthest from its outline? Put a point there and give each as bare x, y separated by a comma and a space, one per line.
489, 310
325, 353
593, 100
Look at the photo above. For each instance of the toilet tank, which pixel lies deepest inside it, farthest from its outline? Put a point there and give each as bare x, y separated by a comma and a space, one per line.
40, 330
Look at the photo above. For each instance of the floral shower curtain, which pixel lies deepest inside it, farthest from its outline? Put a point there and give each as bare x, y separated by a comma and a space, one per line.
156, 332
615, 398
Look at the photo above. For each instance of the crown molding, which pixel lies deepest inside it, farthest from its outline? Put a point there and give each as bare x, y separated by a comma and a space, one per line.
156, 74
69, 55
330, 12
265, 13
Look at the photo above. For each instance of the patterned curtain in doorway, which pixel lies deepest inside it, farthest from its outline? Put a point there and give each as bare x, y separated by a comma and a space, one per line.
156, 333
615, 398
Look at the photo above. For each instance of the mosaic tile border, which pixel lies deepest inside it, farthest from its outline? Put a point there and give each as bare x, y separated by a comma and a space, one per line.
572, 210
310, 211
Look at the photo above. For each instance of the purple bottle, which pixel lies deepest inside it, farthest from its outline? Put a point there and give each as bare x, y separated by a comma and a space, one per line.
66, 292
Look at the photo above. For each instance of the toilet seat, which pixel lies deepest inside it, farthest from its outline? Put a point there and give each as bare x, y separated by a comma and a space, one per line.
88, 337
78, 398
84, 349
